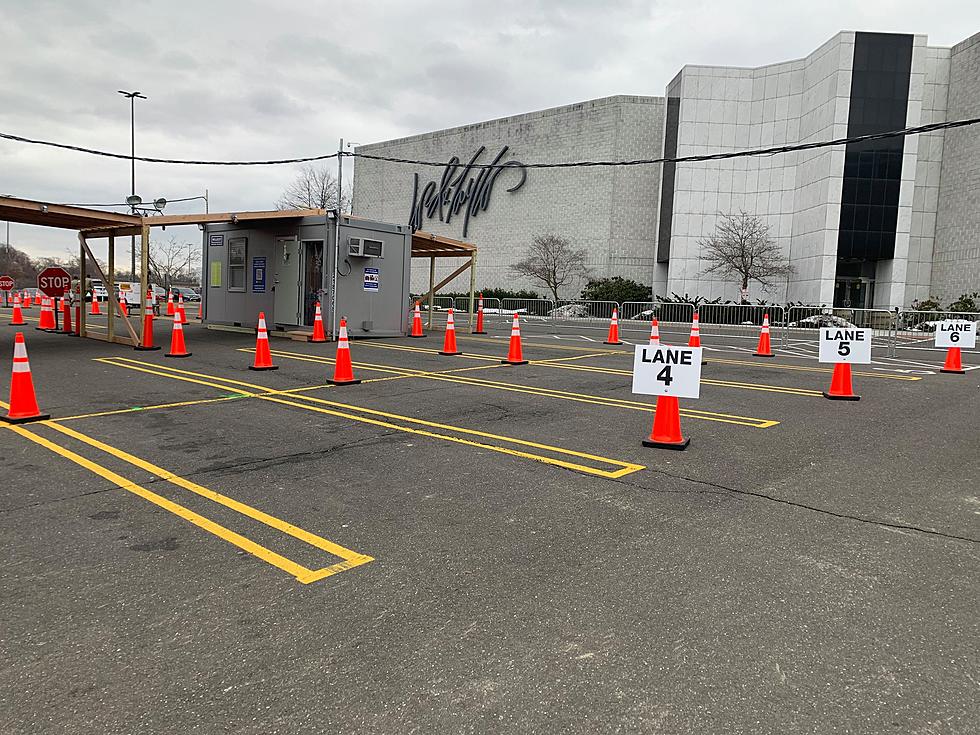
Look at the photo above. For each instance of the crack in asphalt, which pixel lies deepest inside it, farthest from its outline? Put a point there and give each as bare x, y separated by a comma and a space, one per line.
801, 506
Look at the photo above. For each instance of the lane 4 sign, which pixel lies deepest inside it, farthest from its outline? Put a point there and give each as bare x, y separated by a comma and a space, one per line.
956, 333
659, 370
845, 344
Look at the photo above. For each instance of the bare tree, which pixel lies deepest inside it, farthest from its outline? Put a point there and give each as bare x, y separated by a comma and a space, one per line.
742, 250
553, 262
313, 188
172, 261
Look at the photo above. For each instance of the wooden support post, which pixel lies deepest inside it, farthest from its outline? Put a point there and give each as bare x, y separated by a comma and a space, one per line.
144, 275
113, 301
432, 287
472, 286
82, 277
110, 285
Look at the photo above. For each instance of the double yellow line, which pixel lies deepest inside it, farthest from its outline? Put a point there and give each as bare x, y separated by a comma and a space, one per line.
566, 458
533, 389
350, 559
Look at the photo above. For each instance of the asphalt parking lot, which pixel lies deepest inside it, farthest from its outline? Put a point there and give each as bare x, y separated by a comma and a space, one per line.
456, 545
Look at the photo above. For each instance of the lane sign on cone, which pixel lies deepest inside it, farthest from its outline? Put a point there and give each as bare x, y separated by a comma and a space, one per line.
263, 355
613, 337
955, 336
177, 346
319, 334
654, 332
479, 317
515, 356
417, 322
23, 401
764, 348
843, 346
668, 373
343, 372
449, 343
17, 317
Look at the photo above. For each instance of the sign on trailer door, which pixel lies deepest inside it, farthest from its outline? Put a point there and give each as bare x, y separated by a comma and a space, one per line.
659, 370
845, 344
956, 333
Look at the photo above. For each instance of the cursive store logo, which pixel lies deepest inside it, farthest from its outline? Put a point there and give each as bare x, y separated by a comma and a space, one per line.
462, 188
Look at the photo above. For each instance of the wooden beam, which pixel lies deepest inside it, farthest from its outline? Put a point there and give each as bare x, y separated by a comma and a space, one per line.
113, 301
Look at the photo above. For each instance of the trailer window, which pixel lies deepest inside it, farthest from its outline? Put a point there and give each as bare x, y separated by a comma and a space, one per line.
237, 247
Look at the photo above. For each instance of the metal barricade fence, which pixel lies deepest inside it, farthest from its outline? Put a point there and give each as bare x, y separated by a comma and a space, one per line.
582, 310
739, 320
534, 309
914, 325
674, 317
490, 306
802, 321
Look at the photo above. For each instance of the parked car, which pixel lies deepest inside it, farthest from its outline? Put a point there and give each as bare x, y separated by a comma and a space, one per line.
189, 294
821, 320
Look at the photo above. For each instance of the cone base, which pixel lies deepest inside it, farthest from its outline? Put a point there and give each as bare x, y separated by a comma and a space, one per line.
679, 446
416, 336
836, 397
450, 353
26, 419
513, 362
954, 372
483, 332
607, 342
141, 348
265, 367
182, 354
316, 341
763, 354
18, 324
342, 382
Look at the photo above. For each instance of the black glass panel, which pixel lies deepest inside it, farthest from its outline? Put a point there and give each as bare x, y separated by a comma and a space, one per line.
873, 169
667, 179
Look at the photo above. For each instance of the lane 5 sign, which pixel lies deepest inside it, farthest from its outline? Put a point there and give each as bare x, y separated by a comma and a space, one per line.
956, 334
667, 371
845, 344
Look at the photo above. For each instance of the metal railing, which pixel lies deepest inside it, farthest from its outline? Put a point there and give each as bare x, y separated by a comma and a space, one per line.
801, 321
665, 313
916, 325
490, 306
739, 320
529, 308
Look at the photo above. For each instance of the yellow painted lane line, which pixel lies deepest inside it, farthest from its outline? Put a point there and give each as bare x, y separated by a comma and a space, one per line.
287, 528
529, 340
545, 392
301, 573
426, 350
785, 366
137, 409
366, 415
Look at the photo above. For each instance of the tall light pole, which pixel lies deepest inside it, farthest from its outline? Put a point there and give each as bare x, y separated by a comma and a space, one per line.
132, 139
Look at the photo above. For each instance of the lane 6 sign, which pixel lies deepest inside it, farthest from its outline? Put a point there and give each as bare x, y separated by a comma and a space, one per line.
956, 333
845, 344
659, 370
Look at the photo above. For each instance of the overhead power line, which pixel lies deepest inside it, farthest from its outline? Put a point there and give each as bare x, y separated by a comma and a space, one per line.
774, 150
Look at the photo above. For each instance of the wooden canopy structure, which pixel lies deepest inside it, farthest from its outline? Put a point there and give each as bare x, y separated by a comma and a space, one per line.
427, 245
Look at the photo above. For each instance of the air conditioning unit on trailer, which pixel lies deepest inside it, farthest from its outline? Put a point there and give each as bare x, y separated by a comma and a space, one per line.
362, 247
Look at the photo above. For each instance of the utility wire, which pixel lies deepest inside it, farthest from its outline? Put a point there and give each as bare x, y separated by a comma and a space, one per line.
684, 159
932, 127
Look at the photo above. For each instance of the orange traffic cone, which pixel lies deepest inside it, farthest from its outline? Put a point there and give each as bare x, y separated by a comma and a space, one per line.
66, 317
95, 305
146, 343
613, 337
666, 432
840, 384
27, 300
170, 303
764, 349
124, 308
150, 301
78, 319
46, 322
479, 317
449, 344
695, 340
177, 347
954, 362
23, 402
417, 322
654, 332
17, 317
180, 308
263, 356
515, 356
200, 310
319, 335
343, 373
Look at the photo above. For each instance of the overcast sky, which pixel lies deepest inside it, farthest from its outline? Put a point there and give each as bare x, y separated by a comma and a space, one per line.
245, 79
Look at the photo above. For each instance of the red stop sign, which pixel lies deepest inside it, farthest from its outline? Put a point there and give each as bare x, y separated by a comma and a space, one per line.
6, 283
54, 281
